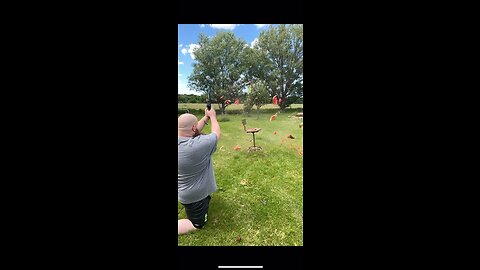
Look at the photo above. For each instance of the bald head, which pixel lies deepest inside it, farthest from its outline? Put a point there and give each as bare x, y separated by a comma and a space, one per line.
185, 123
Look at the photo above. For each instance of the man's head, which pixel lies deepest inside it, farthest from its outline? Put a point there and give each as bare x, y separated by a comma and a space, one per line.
187, 125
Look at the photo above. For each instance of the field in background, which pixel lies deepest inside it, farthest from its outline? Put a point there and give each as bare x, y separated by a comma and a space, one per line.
233, 107
198, 108
259, 201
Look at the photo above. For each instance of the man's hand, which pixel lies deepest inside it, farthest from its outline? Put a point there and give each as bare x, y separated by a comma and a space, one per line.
213, 117
211, 113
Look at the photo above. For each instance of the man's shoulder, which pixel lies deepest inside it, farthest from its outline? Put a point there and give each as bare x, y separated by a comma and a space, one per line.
202, 138
182, 139
211, 136
206, 139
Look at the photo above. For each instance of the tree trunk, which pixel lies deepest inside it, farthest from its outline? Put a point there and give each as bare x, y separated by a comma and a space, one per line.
222, 108
283, 105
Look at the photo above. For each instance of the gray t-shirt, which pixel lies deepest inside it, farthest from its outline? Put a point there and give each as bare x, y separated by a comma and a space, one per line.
195, 167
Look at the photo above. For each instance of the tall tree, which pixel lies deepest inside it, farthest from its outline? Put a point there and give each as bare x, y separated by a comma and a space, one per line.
257, 95
219, 68
282, 56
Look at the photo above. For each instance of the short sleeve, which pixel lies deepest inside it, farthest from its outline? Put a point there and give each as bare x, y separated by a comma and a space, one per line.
212, 142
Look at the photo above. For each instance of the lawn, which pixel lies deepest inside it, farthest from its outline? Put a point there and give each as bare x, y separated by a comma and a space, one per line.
259, 201
232, 107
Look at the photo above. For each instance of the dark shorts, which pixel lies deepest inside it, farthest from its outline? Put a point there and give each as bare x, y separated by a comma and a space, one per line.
197, 212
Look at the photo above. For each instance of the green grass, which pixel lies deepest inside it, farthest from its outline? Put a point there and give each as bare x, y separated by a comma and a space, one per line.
268, 210
198, 108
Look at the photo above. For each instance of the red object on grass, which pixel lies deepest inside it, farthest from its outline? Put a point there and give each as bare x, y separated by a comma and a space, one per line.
274, 133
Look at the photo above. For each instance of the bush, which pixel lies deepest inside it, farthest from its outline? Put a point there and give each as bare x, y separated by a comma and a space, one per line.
223, 118
247, 107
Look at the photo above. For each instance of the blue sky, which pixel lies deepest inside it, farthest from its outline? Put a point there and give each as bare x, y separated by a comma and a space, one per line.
188, 40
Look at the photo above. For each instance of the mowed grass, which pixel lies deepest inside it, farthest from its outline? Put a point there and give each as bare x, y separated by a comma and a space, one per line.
259, 201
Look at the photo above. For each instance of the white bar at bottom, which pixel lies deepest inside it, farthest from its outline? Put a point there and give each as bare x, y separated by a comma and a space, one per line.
233, 267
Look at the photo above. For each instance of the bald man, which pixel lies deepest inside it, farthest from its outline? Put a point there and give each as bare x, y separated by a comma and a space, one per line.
196, 180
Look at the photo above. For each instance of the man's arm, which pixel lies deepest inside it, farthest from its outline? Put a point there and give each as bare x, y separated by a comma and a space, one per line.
213, 118
201, 123
215, 127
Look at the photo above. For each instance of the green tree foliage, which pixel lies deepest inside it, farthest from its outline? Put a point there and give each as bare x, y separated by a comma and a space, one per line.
220, 68
280, 53
183, 98
257, 96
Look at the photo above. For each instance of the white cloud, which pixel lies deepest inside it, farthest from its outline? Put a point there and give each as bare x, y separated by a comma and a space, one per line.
193, 47
180, 63
184, 51
255, 41
183, 89
261, 25
202, 25
224, 26
179, 75
180, 45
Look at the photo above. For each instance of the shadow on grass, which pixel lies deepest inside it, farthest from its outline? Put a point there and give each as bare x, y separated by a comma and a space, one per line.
223, 118
217, 214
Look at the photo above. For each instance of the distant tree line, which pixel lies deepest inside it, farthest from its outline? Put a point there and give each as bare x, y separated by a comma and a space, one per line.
182, 98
